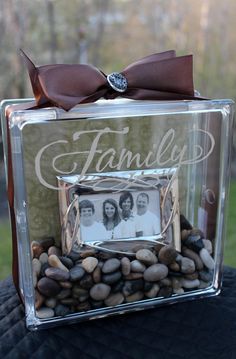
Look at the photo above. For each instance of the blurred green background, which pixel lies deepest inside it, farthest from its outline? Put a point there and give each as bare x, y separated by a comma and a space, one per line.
110, 34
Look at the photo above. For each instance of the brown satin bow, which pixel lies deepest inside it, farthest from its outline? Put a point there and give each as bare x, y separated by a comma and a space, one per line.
160, 76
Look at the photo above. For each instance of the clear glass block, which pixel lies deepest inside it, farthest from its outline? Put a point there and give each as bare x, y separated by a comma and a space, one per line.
176, 152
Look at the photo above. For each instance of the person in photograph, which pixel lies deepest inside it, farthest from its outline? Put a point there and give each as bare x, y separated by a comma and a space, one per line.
127, 225
90, 230
146, 222
111, 217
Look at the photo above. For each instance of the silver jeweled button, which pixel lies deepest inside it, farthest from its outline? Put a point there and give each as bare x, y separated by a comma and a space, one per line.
117, 81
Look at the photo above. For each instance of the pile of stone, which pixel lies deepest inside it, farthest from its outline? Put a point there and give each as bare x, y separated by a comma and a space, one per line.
94, 278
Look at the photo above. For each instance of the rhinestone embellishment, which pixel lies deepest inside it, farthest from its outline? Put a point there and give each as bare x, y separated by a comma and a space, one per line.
117, 81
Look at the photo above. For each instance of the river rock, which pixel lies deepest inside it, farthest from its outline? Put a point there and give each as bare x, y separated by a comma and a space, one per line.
155, 272
51, 302
43, 258
194, 256
61, 310
117, 287
135, 297
184, 223
44, 313
36, 266
207, 259
54, 261
97, 275
57, 274
184, 234
54, 250
146, 256
111, 278
64, 293
167, 255
176, 283
80, 293
178, 291
87, 253
48, 287
114, 299
39, 300
208, 245
89, 264
175, 267
36, 249
206, 275
133, 275
66, 284
85, 306
76, 273
100, 291
44, 266
194, 242
132, 286
125, 266
46, 242
191, 276
152, 293
189, 284
187, 265
165, 292
137, 266
86, 281
111, 265
68, 263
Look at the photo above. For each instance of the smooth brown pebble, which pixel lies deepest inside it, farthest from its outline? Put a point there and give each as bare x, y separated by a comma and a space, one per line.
36, 249
57, 274
39, 300
66, 284
114, 299
194, 256
191, 276
54, 261
135, 297
97, 275
133, 276
48, 287
89, 264
87, 253
167, 255
155, 272
184, 234
54, 250
100, 291
152, 293
175, 267
146, 256
125, 265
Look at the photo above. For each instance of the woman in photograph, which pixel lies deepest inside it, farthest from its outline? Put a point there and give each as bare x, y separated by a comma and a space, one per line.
127, 224
111, 218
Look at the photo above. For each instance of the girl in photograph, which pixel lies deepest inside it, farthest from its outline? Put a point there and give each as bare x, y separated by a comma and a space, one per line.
111, 218
127, 224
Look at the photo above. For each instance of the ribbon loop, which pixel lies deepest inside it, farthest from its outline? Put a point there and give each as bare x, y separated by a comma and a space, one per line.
160, 76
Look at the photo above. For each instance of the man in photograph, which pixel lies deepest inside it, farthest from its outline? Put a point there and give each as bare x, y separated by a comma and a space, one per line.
146, 222
90, 230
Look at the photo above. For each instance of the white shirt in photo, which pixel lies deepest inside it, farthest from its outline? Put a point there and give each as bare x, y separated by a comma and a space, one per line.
95, 232
147, 223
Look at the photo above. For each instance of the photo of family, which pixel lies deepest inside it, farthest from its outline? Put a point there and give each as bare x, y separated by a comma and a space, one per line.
119, 215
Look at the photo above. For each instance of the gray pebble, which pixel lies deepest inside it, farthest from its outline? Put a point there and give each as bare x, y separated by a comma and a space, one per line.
61, 310
194, 256
206, 275
64, 293
97, 275
44, 313
43, 258
156, 272
187, 265
51, 303
111, 278
146, 256
137, 266
114, 299
111, 265
76, 273
53, 250
68, 263
189, 284
57, 274
208, 245
87, 281
36, 266
100, 291
207, 259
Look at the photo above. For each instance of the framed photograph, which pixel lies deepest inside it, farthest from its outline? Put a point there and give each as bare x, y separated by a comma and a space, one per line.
118, 210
